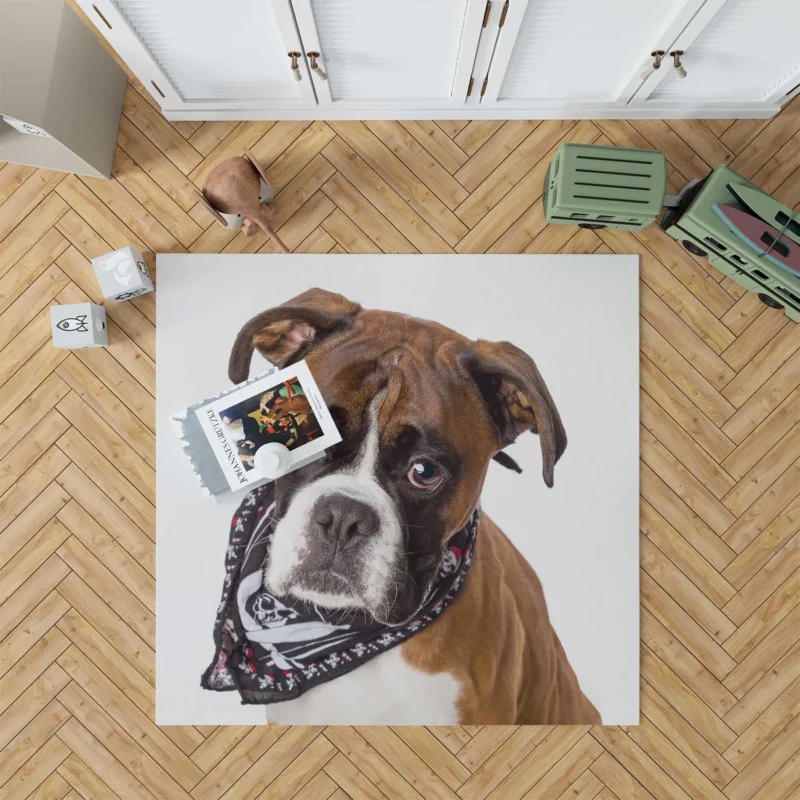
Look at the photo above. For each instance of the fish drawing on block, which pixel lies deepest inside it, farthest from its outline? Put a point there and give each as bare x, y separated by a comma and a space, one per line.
763, 238
74, 324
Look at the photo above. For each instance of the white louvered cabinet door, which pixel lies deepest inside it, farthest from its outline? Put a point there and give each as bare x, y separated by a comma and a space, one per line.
209, 54
390, 53
748, 50
556, 53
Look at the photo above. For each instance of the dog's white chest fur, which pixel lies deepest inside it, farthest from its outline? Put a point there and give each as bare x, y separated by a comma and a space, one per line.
384, 691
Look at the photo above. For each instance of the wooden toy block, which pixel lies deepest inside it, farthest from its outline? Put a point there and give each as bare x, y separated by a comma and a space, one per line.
78, 325
122, 274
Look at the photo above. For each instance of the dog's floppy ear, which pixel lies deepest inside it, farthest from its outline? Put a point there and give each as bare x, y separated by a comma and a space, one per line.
517, 398
279, 333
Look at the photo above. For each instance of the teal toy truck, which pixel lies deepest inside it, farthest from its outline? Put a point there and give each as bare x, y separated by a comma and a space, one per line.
609, 187
696, 225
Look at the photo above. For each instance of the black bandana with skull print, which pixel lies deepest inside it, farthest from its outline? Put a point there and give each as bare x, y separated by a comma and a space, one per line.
272, 648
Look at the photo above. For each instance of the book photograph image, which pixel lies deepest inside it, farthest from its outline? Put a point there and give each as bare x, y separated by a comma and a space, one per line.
283, 409
282, 414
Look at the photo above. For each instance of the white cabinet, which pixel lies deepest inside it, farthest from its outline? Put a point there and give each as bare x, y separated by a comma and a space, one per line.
208, 54
577, 51
738, 51
384, 53
384, 59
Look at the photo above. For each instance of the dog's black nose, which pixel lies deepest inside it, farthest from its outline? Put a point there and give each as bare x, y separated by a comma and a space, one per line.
343, 520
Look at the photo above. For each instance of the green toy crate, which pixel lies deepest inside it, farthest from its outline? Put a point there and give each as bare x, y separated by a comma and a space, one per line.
605, 187
702, 232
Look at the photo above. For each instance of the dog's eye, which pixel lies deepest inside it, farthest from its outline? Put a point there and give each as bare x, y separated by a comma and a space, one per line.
425, 474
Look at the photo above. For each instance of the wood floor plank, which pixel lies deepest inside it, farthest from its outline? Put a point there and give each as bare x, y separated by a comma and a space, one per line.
437, 143
684, 556
684, 737
763, 366
554, 765
209, 135
508, 200
90, 207
113, 520
767, 699
91, 385
675, 671
677, 296
92, 606
32, 628
298, 154
237, 762
120, 743
681, 445
720, 469
101, 763
130, 572
505, 759
342, 228
673, 581
153, 161
134, 214
767, 508
34, 517
493, 152
12, 176
38, 768
159, 131
684, 338
684, 412
765, 436
108, 478
30, 267
684, 519
419, 161
108, 586
476, 133
112, 445
38, 294
401, 180
30, 230
537, 145
703, 141
772, 393
35, 189
121, 714
34, 736
84, 782
157, 202
351, 782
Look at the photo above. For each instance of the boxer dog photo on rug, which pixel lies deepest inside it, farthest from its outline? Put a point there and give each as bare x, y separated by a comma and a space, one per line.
372, 586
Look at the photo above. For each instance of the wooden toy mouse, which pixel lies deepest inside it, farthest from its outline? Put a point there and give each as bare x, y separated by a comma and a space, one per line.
236, 193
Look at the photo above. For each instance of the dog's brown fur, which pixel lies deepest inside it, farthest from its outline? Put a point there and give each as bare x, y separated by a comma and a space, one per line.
499, 645
496, 638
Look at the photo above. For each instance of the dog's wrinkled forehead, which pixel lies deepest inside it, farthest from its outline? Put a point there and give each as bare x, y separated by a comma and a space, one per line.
405, 371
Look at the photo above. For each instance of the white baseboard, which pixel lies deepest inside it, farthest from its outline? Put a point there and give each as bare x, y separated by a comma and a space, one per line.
599, 111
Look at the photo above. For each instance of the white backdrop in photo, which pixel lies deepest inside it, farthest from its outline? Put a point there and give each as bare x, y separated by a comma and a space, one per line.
577, 316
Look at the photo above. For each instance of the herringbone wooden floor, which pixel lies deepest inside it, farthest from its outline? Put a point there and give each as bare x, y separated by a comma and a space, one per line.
720, 470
